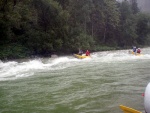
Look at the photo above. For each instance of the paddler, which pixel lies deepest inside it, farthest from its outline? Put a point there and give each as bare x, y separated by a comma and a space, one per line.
139, 50
87, 53
134, 49
80, 52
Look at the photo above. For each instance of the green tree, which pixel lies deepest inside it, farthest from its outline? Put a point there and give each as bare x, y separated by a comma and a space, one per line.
127, 29
134, 6
143, 28
105, 18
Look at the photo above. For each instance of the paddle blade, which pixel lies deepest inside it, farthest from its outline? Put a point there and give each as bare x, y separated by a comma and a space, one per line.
126, 109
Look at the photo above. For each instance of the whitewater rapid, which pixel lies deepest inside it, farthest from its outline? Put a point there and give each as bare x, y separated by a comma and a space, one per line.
12, 70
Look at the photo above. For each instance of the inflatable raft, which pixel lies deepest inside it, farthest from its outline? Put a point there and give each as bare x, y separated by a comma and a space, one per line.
147, 99
136, 54
81, 56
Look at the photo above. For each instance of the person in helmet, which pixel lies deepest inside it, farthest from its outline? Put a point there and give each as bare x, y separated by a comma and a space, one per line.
134, 49
80, 52
139, 50
87, 53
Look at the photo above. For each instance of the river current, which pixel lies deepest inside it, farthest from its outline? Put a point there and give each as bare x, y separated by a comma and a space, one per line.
69, 85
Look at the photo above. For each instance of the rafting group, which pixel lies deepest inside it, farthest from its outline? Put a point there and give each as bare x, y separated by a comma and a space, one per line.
135, 51
82, 55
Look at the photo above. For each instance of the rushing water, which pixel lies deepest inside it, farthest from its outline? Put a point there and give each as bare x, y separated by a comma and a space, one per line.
69, 85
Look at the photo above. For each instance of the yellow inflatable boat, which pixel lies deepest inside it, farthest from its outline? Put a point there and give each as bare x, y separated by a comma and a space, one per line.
81, 56
136, 54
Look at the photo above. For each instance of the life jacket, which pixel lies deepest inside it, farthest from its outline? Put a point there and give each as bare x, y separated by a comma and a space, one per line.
134, 49
80, 52
87, 53
138, 51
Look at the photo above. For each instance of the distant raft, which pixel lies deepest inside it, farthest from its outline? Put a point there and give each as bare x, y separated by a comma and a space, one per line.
81, 56
136, 54
126, 109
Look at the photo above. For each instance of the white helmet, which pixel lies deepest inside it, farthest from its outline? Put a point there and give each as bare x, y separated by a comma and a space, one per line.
147, 99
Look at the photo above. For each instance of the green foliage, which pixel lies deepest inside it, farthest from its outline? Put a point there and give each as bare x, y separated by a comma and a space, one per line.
104, 48
13, 51
143, 28
134, 6
147, 42
127, 29
125, 11
40, 27
38, 42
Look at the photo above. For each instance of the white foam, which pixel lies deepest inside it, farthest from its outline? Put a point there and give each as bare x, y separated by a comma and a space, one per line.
13, 70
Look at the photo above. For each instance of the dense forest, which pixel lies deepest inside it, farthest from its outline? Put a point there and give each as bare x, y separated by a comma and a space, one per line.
43, 27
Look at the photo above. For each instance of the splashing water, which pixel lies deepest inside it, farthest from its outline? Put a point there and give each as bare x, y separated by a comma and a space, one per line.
67, 84
12, 70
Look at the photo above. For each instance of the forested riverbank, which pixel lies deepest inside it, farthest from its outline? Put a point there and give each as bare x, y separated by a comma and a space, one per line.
43, 27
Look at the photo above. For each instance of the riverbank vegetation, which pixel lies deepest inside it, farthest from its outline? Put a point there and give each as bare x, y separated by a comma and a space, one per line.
44, 27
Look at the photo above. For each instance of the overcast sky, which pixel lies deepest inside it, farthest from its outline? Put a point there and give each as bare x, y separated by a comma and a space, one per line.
144, 5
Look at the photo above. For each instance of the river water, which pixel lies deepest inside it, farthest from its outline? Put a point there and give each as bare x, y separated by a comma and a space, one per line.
69, 85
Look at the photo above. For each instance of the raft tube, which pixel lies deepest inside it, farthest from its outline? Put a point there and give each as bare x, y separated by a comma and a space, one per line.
147, 99
81, 56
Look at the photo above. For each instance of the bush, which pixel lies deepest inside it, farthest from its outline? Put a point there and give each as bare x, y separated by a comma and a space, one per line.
13, 51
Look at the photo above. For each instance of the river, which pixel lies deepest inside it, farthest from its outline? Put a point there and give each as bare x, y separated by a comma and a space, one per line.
69, 85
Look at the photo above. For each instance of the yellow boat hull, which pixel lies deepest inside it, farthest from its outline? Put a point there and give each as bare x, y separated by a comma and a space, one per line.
136, 54
126, 109
81, 56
